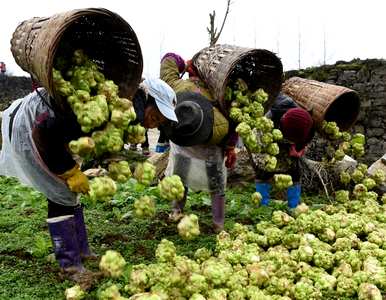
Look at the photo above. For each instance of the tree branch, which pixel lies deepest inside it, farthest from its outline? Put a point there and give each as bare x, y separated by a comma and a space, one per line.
212, 31
223, 23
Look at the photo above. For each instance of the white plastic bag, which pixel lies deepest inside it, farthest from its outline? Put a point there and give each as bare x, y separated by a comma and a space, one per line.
192, 165
20, 158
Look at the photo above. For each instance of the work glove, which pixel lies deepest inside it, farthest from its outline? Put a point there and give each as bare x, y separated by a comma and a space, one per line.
178, 59
230, 157
295, 153
76, 181
191, 69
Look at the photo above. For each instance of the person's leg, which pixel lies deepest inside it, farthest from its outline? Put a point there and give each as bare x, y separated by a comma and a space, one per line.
264, 188
145, 144
263, 185
180, 168
294, 191
218, 211
81, 233
216, 184
163, 143
178, 206
162, 137
62, 228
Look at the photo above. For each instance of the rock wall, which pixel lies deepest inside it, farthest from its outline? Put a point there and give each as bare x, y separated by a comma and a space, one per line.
368, 78
12, 88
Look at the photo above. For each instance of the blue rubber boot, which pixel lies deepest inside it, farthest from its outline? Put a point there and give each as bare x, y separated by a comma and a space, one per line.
264, 189
293, 195
162, 147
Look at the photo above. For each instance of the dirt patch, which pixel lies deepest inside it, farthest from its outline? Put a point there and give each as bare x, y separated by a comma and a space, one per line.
111, 238
21, 254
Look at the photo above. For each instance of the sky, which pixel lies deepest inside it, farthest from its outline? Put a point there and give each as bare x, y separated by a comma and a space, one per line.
321, 31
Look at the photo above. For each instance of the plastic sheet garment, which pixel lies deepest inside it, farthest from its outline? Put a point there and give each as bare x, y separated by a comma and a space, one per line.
201, 167
19, 156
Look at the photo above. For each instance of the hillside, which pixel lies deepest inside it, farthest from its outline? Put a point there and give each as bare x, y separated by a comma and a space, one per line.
11, 88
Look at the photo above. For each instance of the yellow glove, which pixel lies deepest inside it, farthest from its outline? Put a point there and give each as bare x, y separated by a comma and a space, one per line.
76, 181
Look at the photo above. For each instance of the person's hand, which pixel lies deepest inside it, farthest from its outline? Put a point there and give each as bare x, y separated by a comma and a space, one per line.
230, 157
178, 59
76, 181
191, 69
295, 153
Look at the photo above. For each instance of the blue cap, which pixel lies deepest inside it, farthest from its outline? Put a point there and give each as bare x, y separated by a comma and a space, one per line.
164, 97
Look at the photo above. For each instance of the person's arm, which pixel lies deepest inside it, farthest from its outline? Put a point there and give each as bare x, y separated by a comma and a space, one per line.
172, 65
230, 144
51, 136
139, 101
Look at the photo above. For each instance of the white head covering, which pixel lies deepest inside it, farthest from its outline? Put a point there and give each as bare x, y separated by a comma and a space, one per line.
164, 96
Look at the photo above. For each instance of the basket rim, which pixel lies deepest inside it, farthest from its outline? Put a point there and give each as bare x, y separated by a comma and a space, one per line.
70, 18
251, 51
247, 52
339, 91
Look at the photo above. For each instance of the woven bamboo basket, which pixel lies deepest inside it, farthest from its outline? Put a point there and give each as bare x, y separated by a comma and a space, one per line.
104, 36
220, 64
325, 101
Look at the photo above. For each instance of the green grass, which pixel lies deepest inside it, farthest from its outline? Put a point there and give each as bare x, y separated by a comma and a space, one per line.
28, 271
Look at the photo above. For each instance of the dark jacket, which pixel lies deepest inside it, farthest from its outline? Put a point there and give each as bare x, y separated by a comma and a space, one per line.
51, 136
139, 103
279, 108
281, 105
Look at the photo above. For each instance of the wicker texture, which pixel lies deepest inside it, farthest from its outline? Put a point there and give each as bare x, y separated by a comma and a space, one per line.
325, 101
220, 64
106, 38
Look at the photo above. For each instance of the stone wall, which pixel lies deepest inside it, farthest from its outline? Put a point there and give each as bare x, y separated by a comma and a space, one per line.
368, 78
12, 88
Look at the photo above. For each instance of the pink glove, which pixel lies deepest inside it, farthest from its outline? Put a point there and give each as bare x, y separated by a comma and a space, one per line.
295, 153
178, 59
230, 155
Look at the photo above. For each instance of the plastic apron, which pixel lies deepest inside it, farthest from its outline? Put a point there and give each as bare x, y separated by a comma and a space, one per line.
201, 167
19, 156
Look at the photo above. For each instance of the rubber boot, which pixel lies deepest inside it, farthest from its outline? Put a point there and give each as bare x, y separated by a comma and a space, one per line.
218, 212
81, 233
264, 189
65, 243
293, 196
162, 147
178, 208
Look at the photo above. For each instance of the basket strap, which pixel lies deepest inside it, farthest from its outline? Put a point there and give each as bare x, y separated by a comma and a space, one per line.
11, 118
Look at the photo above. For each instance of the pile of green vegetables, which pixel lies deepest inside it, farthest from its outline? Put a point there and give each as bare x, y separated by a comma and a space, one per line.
335, 252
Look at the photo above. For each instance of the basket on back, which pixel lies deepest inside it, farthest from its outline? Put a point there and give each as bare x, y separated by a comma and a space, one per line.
325, 101
220, 64
104, 36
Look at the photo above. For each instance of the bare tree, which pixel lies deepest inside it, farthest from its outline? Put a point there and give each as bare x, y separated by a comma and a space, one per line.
212, 30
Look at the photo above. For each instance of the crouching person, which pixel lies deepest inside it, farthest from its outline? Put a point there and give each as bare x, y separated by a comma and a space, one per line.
297, 127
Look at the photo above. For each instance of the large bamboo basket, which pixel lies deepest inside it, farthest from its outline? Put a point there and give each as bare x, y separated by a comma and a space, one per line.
220, 64
104, 36
325, 101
